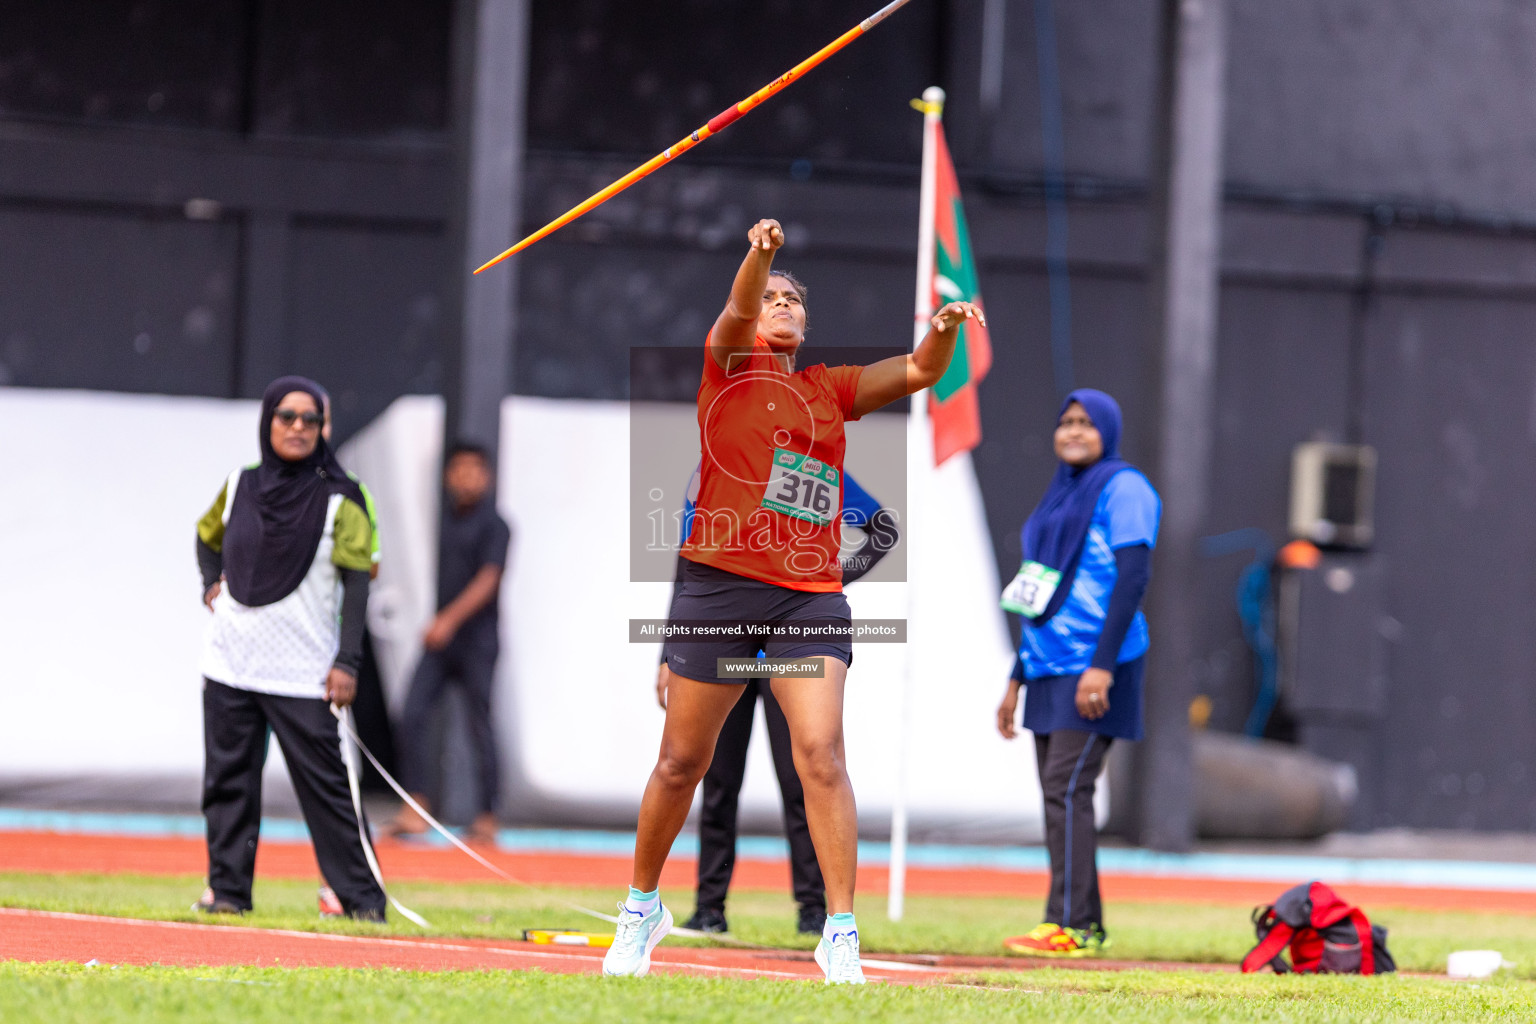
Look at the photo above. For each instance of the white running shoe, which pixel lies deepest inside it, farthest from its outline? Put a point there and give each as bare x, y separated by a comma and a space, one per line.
839, 959
633, 940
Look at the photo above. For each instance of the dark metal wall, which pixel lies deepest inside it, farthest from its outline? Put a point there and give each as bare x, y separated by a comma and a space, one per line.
1377, 265
199, 195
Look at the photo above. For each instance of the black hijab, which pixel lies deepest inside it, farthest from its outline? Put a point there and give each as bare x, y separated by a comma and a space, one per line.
278, 513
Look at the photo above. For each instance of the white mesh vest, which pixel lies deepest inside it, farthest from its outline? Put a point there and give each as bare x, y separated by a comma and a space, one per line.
287, 647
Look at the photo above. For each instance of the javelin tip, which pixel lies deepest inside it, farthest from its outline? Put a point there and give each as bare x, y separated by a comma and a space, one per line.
491, 263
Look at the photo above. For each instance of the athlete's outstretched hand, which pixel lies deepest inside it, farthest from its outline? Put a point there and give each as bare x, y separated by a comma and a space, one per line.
662, 676
955, 314
766, 235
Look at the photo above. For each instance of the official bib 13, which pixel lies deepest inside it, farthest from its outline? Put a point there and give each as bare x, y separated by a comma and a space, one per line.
1031, 590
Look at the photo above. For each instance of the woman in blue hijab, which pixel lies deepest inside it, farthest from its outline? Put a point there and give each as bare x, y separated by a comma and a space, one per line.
1087, 560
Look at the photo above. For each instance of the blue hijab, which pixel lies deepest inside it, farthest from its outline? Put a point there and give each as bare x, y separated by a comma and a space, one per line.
1054, 533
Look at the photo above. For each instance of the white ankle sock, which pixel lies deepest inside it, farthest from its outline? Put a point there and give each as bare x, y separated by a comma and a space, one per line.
642, 902
839, 924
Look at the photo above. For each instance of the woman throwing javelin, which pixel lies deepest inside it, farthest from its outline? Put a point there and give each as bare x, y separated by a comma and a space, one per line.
764, 548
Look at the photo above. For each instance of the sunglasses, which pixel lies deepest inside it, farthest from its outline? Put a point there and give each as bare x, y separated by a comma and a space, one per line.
309, 419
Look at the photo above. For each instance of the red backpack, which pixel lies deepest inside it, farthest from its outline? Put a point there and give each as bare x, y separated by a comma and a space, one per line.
1325, 934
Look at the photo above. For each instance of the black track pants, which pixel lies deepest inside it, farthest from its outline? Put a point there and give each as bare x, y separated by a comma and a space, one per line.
722, 792
473, 669
1069, 763
236, 724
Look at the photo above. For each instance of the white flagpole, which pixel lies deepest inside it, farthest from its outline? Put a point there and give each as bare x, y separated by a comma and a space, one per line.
919, 469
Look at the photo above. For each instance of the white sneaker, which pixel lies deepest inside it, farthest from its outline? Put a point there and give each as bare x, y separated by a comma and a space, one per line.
633, 940
839, 959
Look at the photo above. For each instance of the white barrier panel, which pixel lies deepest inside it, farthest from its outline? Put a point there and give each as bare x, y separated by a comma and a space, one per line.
398, 456
100, 623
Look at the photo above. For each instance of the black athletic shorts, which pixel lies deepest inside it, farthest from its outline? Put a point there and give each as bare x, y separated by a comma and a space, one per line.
705, 594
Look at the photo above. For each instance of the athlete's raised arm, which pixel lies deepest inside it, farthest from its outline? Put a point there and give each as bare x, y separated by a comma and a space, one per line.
883, 382
736, 327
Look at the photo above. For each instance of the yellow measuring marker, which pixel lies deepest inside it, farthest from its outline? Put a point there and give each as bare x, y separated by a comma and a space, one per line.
562, 937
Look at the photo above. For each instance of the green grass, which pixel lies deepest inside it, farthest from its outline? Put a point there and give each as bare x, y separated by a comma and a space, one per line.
1195, 933
65, 994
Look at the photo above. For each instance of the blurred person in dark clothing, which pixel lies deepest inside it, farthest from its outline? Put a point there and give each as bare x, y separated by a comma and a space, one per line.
461, 645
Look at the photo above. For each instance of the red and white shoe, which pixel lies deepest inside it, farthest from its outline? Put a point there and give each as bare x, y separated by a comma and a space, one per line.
207, 903
330, 903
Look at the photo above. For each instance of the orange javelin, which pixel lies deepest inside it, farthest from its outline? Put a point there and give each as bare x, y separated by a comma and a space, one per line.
715, 124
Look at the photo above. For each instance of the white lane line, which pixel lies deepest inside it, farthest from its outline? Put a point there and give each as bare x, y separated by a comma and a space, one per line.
254, 932
901, 965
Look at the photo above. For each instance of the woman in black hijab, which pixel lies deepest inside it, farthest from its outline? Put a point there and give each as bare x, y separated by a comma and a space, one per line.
285, 552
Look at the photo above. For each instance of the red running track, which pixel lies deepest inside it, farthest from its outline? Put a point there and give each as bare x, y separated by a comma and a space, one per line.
40, 936
59, 853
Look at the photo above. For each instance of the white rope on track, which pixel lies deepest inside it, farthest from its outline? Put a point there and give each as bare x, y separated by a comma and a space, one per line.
345, 718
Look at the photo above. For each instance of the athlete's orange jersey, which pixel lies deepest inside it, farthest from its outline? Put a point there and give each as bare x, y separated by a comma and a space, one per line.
771, 470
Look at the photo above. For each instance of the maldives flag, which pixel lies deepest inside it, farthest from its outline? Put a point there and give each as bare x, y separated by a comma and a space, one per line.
952, 402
